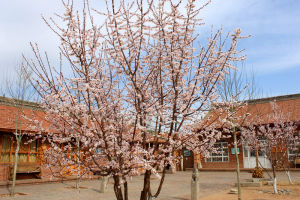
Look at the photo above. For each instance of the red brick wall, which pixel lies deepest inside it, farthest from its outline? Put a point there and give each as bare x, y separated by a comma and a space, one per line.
4, 172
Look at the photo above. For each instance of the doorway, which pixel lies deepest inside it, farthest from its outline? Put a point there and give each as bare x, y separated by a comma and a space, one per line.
249, 158
188, 159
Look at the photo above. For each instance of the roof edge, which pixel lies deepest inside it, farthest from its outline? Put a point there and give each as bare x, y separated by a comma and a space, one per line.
19, 103
275, 98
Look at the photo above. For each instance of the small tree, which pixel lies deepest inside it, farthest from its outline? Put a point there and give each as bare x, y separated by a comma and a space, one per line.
278, 132
20, 90
235, 91
293, 149
232, 121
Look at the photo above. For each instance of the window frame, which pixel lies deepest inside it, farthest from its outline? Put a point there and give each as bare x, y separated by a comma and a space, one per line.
293, 154
23, 151
221, 153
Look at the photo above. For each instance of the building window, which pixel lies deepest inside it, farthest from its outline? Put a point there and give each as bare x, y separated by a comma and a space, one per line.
292, 154
5, 152
260, 153
293, 150
27, 153
220, 154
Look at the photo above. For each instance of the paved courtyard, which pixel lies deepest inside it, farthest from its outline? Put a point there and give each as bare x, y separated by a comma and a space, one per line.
176, 187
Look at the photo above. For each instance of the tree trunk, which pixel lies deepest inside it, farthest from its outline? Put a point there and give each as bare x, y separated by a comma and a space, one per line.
256, 157
12, 192
237, 166
117, 188
146, 190
274, 178
289, 176
161, 183
125, 190
78, 164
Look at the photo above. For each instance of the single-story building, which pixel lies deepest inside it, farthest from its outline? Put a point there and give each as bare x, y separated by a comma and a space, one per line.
30, 162
225, 157
10, 119
30, 155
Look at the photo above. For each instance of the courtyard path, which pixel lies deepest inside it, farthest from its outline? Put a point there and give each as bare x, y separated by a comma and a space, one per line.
176, 187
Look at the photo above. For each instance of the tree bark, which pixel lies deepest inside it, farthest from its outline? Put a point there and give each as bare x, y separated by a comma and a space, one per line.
78, 163
125, 190
256, 157
289, 176
117, 188
237, 166
12, 192
146, 190
274, 177
161, 183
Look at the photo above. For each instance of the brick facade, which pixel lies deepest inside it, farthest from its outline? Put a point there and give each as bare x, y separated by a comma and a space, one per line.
4, 172
230, 164
290, 103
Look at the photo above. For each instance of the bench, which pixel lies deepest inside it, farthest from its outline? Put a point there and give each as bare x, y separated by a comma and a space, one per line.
25, 168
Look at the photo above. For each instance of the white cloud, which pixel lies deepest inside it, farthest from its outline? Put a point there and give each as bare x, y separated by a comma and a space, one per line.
274, 44
276, 63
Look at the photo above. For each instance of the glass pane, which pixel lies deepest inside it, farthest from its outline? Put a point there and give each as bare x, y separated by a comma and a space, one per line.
246, 152
33, 146
24, 147
252, 153
217, 159
4, 157
226, 152
32, 157
23, 158
261, 153
225, 159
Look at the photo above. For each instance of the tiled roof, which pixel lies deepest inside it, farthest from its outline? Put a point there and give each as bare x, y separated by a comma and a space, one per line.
10, 111
259, 111
26, 104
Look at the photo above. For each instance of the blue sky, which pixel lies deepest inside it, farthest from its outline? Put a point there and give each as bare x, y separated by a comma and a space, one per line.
273, 50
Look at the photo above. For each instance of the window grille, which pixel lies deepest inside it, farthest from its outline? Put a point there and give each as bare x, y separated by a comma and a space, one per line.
220, 153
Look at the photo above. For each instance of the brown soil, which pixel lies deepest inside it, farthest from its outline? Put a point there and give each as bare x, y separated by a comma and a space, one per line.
255, 193
73, 187
16, 194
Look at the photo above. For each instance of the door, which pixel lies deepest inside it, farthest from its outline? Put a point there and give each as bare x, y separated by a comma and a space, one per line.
188, 159
250, 158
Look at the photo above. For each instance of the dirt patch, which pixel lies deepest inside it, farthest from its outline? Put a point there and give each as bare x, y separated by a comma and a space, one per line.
73, 187
260, 193
16, 194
